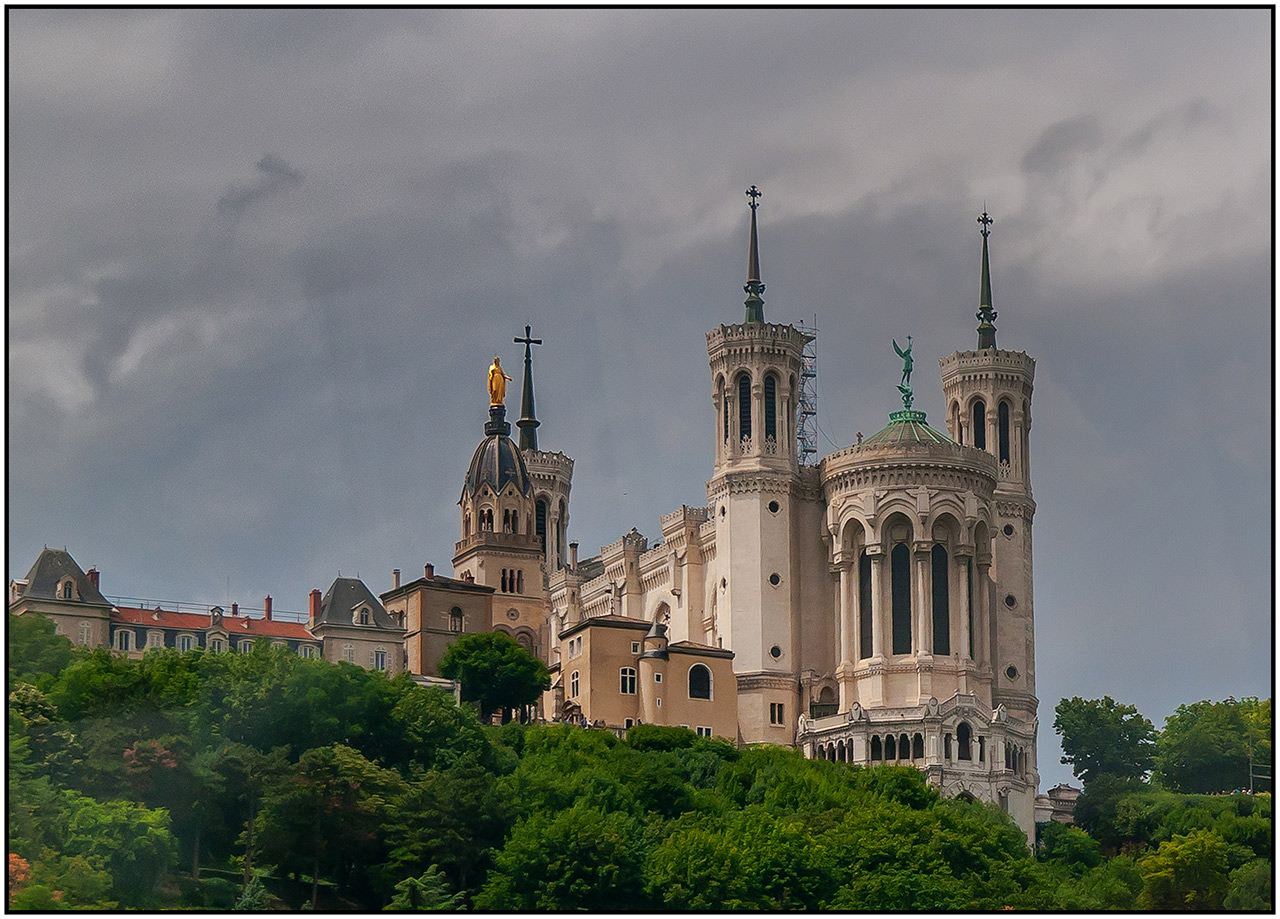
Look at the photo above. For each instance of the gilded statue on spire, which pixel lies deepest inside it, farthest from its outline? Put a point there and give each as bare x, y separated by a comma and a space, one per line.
497, 383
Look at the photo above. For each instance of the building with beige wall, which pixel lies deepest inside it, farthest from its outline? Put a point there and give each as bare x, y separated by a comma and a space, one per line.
434, 610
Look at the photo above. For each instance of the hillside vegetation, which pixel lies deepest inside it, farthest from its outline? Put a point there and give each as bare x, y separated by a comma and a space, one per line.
265, 780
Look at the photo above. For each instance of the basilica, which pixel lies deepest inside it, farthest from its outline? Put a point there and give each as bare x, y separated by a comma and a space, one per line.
872, 607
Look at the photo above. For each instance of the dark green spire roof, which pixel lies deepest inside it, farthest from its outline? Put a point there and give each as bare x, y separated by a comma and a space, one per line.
754, 287
986, 315
527, 423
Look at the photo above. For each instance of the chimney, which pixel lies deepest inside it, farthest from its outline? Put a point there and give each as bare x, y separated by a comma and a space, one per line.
92, 574
429, 571
395, 578
573, 555
266, 605
314, 615
235, 609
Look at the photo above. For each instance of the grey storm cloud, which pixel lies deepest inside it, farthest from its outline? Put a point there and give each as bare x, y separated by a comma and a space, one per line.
247, 330
1060, 143
276, 175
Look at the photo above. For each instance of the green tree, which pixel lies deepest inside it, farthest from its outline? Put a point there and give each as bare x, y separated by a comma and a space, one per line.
495, 671
1104, 737
326, 816
1204, 748
1251, 887
35, 652
754, 861
1187, 872
578, 859
428, 893
453, 818
131, 842
254, 897
1069, 846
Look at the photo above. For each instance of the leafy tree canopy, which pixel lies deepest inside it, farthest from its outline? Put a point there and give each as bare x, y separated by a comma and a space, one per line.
1104, 737
1205, 747
495, 670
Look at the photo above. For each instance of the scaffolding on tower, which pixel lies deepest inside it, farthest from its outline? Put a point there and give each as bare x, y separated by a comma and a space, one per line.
807, 429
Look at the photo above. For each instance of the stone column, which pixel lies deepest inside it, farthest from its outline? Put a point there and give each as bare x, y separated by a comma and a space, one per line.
845, 611
877, 556
920, 553
962, 568
982, 611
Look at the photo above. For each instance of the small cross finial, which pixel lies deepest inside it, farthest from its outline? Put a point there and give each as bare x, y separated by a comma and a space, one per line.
986, 222
754, 194
528, 340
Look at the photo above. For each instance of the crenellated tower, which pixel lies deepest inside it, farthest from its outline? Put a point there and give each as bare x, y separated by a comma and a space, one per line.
551, 472
755, 497
988, 398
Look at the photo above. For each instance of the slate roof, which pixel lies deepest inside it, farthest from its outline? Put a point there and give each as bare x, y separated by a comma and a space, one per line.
498, 462
52, 566
341, 600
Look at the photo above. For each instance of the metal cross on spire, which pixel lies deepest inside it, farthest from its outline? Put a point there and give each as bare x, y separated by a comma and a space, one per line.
528, 424
754, 287
986, 315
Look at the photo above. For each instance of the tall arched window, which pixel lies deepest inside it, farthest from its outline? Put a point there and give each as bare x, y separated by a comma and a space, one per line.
900, 588
744, 405
66, 590
724, 405
573, 685
941, 603
876, 754
980, 425
904, 747
1003, 421
627, 681
917, 746
962, 741
520, 581
504, 581
864, 605
699, 682
515, 521
890, 748
771, 406
455, 619
540, 522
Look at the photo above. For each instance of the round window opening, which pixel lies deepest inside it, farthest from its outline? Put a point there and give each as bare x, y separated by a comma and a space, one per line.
1010, 601
774, 579
1008, 529
512, 615
1011, 672
775, 652
774, 507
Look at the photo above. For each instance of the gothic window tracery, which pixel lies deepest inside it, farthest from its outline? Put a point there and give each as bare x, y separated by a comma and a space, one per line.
771, 406
941, 602
744, 406
980, 424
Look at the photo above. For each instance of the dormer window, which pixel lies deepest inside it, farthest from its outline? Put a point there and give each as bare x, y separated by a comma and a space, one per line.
362, 616
65, 589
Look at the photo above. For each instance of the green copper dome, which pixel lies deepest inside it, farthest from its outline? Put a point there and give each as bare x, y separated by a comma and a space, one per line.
907, 427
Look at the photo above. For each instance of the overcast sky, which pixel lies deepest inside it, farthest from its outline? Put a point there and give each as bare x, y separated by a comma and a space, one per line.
259, 263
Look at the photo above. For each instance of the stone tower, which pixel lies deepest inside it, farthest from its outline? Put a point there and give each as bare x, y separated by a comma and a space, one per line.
988, 398
752, 496
550, 472
500, 547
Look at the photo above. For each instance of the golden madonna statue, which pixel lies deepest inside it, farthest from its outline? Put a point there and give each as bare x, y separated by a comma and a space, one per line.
497, 383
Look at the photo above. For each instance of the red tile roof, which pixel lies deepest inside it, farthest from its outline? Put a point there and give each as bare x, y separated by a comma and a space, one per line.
235, 625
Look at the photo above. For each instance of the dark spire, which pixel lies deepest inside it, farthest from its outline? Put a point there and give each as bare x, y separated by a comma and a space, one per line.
754, 288
986, 315
528, 424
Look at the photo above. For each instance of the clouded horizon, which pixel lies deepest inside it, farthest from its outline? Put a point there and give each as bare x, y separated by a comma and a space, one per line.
259, 262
